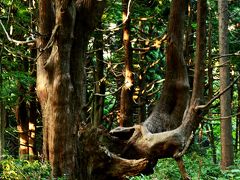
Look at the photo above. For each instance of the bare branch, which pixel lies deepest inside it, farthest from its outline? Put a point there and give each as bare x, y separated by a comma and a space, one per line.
226, 55
217, 96
98, 94
51, 40
124, 21
180, 154
221, 117
13, 40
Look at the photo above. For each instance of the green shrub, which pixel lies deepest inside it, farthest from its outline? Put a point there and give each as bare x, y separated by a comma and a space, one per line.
198, 165
16, 169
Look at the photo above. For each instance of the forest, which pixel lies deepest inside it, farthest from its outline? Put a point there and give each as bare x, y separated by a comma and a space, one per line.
119, 89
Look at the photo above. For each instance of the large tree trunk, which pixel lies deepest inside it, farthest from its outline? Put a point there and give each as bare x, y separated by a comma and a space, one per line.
54, 85
168, 113
130, 150
65, 27
46, 23
147, 143
225, 99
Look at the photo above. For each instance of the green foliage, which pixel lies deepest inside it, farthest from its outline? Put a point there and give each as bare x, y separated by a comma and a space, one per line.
198, 166
11, 168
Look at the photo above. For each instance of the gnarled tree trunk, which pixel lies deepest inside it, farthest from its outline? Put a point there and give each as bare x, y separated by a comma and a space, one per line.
168, 130
64, 28
94, 154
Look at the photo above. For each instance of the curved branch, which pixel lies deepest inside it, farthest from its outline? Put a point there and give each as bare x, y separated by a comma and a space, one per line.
13, 40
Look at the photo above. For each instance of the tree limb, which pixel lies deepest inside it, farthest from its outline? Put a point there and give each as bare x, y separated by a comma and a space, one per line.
13, 40
217, 96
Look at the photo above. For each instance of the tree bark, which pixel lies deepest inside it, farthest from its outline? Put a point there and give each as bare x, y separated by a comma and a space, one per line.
126, 100
94, 154
2, 112
210, 90
2, 128
99, 84
22, 120
33, 108
237, 139
168, 113
225, 99
55, 88
45, 25
65, 27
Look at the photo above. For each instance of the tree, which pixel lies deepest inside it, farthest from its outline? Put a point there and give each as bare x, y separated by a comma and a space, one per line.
2, 115
226, 124
99, 80
126, 99
22, 120
64, 33
87, 152
168, 130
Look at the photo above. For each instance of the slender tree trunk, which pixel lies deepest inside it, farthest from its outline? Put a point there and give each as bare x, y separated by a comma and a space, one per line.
32, 111
237, 139
2, 128
199, 73
99, 84
2, 112
142, 93
225, 99
210, 91
22, 120
142, 97
22, 117
33, 105
126, 101
189, 34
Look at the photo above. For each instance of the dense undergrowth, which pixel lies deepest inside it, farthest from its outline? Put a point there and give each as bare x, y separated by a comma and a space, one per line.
198, 164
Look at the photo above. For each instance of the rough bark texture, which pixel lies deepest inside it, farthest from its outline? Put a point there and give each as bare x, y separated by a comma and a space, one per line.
126, 101
175, 95
199, 73
225, 99
65, 27
46, 23
129, 150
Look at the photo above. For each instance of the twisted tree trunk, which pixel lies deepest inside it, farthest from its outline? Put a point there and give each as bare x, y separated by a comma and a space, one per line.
91, 153
169, 129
